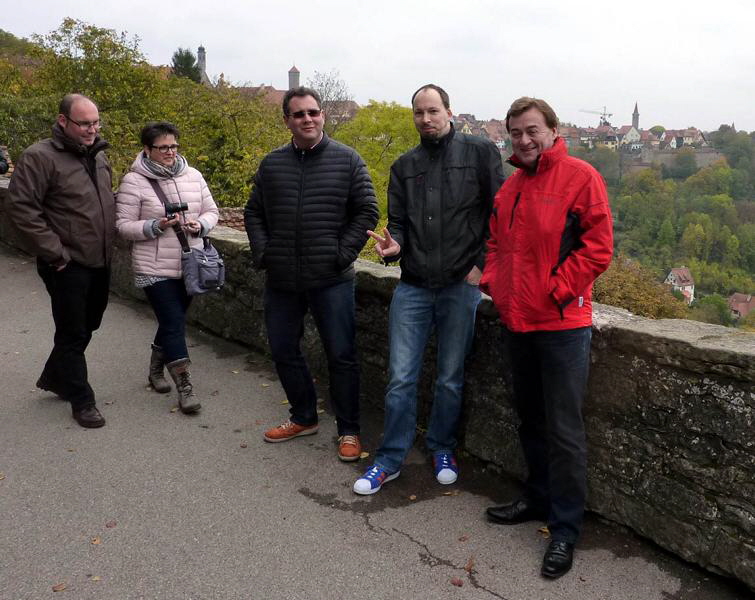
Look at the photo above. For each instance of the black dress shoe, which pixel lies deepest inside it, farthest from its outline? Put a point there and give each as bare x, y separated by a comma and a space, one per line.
518, 511
557, 560
88, 416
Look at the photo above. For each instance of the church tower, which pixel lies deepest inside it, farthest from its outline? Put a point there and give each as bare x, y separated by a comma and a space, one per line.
293, 78
636, 118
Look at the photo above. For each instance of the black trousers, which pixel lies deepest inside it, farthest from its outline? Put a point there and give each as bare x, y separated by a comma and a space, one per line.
549, 372
332, 308
78, 296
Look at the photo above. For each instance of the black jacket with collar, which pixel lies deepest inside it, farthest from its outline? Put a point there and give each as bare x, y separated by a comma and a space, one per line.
440, 197
308, 214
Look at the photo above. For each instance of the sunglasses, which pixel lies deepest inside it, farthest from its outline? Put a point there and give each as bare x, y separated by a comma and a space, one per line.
312, 112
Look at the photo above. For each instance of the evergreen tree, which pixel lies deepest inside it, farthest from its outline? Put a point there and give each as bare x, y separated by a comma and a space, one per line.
184, 64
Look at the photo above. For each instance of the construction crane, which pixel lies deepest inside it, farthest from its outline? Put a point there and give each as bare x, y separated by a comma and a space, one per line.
604, 114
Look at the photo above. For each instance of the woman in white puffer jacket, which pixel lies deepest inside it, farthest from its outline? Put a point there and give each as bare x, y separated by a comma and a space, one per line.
141, 217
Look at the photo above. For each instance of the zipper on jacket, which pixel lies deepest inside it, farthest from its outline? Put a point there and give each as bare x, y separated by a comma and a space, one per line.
297, 237
513, 209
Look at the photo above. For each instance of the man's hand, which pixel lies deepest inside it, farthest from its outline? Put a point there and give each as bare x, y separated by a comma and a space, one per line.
386, 246
473, 277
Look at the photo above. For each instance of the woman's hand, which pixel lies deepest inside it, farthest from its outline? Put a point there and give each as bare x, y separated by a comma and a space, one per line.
165, 223
193, 226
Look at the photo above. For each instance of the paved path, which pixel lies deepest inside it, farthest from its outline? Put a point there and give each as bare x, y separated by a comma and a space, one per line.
158, 505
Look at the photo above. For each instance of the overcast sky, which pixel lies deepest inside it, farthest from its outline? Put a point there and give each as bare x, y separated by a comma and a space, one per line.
685, 63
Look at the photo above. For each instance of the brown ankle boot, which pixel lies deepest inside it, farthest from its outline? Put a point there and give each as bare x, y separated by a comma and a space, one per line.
179, 372
156, 375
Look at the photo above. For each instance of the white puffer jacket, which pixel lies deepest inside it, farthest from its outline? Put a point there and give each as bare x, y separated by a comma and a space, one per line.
137, 206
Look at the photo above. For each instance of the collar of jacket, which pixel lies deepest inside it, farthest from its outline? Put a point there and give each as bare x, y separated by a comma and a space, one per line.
545, 161
434, 146
319, 147
65, 144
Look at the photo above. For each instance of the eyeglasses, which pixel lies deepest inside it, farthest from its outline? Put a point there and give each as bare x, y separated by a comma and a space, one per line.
87, 124
166, 149
312, 112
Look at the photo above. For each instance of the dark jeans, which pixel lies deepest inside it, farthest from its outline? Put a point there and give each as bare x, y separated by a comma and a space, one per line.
170, 302
332, 308
550, 370
78, 296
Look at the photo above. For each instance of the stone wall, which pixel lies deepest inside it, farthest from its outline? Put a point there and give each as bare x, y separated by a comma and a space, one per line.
669, 410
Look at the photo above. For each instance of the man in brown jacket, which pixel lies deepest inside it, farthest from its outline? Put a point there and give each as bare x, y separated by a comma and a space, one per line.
61, 203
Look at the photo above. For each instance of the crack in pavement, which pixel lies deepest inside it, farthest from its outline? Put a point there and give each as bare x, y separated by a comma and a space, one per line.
365, 509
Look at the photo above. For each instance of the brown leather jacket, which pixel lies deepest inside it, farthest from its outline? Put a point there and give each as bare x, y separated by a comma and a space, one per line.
61, 203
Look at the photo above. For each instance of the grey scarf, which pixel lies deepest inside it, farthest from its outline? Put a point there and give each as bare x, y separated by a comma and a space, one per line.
162, 171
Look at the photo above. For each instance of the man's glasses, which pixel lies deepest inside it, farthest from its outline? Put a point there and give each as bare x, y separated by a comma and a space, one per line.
87, 124
312, 112
166, 149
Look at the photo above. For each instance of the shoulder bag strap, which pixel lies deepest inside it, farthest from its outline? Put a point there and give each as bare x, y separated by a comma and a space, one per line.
177, 228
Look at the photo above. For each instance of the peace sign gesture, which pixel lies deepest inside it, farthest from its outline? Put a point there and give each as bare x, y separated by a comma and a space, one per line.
386, 246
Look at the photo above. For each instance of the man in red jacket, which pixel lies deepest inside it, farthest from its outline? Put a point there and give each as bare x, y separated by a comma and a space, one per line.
550, 237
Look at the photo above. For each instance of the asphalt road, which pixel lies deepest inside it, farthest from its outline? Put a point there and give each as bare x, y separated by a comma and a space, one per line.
158, 505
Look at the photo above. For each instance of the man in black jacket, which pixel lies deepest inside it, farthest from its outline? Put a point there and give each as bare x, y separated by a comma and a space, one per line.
307, 218
439, 200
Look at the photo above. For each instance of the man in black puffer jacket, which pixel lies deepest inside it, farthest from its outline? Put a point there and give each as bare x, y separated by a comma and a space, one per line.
307, 218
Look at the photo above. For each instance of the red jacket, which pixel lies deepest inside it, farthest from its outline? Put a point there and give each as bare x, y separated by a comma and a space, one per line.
551, 235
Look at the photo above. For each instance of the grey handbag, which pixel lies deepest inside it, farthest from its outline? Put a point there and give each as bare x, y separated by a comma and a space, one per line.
203, 268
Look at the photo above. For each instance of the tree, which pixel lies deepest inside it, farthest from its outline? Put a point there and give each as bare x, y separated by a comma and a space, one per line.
657, 130
380, 132
184, 64
629, 285
337, 101
712, 309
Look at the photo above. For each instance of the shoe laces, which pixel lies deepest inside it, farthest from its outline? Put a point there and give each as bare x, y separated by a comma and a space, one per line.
348, 440
286, 425
444, 461
373, 473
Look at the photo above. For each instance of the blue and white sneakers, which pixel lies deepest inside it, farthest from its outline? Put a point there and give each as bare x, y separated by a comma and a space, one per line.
372, 480
446, 469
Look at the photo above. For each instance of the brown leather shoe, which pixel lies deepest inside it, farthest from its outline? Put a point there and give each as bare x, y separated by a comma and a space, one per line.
89, 417
349, 448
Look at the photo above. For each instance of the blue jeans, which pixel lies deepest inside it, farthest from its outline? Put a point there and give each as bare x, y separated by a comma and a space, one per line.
414, 312
333, 310
550, 370
170, 302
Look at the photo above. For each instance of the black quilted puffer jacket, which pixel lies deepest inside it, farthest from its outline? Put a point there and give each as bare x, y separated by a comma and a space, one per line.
308, 215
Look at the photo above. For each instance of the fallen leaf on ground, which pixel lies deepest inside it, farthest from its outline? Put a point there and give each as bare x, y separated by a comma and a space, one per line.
59, 587
469, 567
174, 409
544, 531
284, 402
413, 497
362, 455
451, 493
463, 538
95, 541
457, 582
95, 578
243, 444
320, 411
110, 524
71, 449
265, 385
2, 476
108, 403
235, 371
